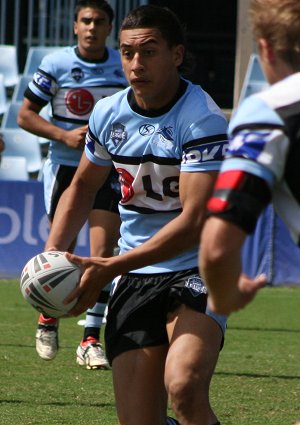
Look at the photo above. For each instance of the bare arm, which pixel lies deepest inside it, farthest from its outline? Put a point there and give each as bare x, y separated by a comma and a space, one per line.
30, 120
175, 237
220, 265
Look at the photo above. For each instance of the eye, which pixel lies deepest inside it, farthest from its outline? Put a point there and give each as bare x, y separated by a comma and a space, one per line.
126, 53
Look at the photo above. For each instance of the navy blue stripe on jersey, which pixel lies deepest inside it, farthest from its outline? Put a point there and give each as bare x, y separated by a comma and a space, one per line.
34, 98
146, 158
143, 210
70, 120
204, 152
204, 140
259, 126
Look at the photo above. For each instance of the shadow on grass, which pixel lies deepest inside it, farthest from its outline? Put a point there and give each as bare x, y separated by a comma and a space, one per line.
257, 375
236, 328
56, 403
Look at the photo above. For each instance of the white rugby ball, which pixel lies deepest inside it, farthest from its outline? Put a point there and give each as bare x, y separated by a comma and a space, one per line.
46, 280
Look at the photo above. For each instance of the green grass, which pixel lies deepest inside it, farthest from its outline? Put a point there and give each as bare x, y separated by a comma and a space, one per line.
257, 380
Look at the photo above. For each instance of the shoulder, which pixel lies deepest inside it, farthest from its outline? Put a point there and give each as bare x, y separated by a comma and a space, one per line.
200, 111
57, 58
255, 110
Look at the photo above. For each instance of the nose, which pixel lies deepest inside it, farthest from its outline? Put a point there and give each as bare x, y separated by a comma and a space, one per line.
136, 63
92, 25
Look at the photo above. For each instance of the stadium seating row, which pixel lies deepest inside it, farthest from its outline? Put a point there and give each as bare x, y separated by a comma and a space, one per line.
22, 156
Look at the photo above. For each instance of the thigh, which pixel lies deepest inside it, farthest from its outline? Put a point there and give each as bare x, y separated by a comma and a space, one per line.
195, 342
104, 232
138, 377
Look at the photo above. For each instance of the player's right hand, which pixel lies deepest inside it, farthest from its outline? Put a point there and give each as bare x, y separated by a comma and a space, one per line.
75, 139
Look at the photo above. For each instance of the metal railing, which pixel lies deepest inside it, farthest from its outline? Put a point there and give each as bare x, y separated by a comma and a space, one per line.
26, 23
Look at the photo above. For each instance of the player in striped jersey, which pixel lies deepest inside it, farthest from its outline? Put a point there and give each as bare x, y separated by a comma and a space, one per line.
262, 162
166, 138
73, 79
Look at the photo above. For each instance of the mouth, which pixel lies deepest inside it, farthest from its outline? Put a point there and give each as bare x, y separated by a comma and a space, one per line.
90, 39
139, 81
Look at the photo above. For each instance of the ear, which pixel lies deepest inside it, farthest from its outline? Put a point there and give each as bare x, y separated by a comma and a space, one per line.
179, 54
266, 51
75, 28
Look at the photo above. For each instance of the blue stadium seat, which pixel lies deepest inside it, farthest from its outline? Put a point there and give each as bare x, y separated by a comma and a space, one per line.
19, 142
10, 116
18, 93
3, 97
13, 168
34, 57
254, 81
9, 65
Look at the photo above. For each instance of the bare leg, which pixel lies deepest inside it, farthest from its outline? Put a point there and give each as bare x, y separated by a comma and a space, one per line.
194, 348
139, 386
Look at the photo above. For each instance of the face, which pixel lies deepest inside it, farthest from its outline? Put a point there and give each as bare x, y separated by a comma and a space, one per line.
92, 28
150, 66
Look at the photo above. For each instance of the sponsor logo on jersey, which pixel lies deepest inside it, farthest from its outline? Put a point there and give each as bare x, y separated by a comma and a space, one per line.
42, 81
118, 133
195, 285
205, 152
250, 144
126, 180
79, 101
77, 74
146, 129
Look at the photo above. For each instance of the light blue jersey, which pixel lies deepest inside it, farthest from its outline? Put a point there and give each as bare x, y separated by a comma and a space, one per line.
265, 141
149, 152
73, 85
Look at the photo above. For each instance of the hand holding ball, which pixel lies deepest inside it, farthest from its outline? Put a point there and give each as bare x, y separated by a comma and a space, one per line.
46, 280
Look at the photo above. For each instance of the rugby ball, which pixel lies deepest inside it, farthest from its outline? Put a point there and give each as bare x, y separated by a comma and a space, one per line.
46, 280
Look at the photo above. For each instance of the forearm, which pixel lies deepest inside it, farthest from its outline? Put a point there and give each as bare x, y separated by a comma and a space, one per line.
221, 278
174, 238
220, 260
34, 123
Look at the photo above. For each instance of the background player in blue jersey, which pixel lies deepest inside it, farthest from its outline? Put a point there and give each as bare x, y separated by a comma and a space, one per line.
262, 163
166, 138
73, 80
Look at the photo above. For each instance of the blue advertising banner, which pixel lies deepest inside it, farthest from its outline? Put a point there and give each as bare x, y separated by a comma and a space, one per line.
24, 231
24, 226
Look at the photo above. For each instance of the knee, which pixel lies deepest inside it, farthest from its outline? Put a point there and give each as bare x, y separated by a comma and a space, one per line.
184, 389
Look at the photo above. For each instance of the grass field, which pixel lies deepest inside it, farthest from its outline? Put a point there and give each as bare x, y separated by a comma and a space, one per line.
257, 380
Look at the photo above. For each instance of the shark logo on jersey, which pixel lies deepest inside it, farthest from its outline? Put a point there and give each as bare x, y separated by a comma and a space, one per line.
165, 137
166, 133
118, 133
195, 285
77, 74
